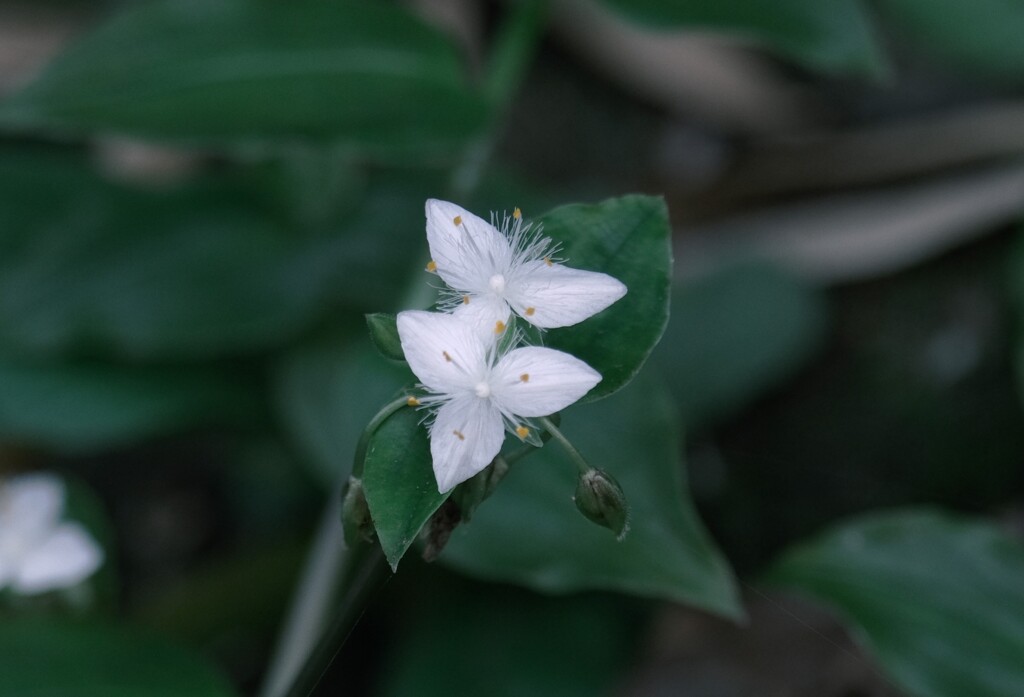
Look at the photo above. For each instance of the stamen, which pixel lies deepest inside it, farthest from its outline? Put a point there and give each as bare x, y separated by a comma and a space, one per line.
446, 356
525, 377
499, 327
547, 260
522, 431
465, 299
530, 311
412, 402
432, 266
457, 220
458, 434
517, 214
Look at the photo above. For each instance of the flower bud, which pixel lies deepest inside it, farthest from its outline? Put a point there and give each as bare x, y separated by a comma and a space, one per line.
599, 497
355, 513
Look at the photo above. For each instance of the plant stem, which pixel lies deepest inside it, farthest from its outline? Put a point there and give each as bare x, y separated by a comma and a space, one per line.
365, 574
310, 603
308, 614
570, 449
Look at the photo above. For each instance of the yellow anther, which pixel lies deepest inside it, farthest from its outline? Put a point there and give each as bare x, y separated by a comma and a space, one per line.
525, 377
431, 266
547, 260
499, 327
517, 214
522, 431
530, 311
465, 299
457, 220
458, 434
447, 357
412, 402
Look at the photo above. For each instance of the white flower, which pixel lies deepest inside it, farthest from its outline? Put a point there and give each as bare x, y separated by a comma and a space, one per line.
38, 552
496, 272
479, 392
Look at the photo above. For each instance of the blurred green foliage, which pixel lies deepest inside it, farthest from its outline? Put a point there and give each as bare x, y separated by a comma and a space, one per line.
192, 345
84, 660
938, 598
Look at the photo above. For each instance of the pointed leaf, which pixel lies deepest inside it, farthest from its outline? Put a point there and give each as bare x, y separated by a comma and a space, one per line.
627, 238
399, 481
938, 599
530, 532
256, 73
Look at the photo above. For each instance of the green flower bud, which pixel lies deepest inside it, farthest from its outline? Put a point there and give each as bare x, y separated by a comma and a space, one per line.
355, 513
599, 497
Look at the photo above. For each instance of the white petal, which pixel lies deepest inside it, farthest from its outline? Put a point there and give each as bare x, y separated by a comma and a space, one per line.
31, 504
464, 438
445, 353
552, 295
65, 559
483, 313
534, 381
467, 253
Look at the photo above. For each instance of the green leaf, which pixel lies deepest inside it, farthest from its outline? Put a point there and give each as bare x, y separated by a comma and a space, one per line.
81, 405
384, 334
832, 36
530, 532
546, 647
735, 334
40, 658
984, 35
938, 599
399, 481
361, 75
198, 271
627, 238
326, 393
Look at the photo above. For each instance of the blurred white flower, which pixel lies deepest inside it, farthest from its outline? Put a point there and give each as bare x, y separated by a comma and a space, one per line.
478, 391
510, 270
38, 551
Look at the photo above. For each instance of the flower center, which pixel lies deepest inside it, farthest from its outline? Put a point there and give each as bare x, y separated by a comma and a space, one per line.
497, 283
482, 389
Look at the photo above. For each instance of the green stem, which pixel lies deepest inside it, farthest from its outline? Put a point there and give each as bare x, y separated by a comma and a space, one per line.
311, 601
366, 573
569, 448
325, 561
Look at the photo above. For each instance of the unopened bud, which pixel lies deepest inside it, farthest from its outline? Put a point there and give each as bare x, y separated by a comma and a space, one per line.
599, 497
355, 513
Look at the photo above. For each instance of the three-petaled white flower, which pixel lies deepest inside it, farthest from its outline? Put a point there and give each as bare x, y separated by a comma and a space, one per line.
38, 551
510, 270
478, 391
